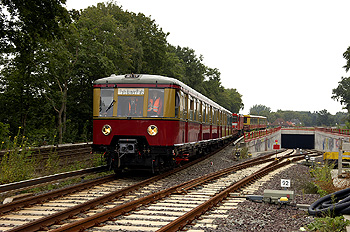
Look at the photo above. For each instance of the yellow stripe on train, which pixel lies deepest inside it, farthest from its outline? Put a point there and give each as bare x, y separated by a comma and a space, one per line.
334, 155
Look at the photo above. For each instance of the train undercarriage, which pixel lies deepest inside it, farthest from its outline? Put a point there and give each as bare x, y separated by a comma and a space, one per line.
135, 154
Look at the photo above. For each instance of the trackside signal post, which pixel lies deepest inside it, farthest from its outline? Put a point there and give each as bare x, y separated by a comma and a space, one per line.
276, 146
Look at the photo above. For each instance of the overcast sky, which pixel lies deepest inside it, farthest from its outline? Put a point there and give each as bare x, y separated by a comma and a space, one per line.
285, 55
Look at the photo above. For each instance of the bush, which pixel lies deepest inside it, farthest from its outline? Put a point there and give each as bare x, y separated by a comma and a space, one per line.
16, 164
323, 179
244, 153
327, 224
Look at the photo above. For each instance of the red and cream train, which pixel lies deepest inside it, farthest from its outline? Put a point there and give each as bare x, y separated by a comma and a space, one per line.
154, 122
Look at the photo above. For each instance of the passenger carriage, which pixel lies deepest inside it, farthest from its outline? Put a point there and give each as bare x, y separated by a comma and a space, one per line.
253, 122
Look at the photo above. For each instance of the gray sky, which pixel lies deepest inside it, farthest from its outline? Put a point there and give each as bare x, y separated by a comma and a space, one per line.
285, 55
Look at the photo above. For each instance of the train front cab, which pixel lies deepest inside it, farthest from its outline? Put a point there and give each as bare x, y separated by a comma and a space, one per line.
237, 124
138, 140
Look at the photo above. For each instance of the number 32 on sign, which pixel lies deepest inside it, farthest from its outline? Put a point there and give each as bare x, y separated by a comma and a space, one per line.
285, 183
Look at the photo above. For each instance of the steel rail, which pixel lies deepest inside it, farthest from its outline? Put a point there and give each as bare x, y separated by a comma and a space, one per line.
46, 179
16, 205
45, 150
60, 192
122, 209
187, 218
64, 214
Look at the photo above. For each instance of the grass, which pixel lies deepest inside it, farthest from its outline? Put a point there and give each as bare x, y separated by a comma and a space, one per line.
322, 184
17, 164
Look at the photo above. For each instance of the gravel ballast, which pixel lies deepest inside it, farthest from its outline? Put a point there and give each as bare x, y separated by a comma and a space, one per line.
253, 216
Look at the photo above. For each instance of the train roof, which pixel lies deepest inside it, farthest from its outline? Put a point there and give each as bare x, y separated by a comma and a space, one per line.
155, 79
253, 116
138, 79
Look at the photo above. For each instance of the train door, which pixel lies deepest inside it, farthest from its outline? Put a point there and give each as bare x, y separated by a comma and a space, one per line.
200, 120
220, 123
183, 117
215, 123
210, 122
205, 127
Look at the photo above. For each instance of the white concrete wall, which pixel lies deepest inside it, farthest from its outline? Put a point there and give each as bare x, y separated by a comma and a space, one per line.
328, 142
264, 143
324, 141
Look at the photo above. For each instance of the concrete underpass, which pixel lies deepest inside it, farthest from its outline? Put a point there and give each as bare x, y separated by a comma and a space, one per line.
292, 141
320, 139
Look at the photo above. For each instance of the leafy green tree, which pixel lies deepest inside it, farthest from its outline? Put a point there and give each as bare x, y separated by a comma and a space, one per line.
24, 25
260, 110
174, 66
194, 69
324, 118
346, 55
342, 92
154, 44
231, 99
212, 84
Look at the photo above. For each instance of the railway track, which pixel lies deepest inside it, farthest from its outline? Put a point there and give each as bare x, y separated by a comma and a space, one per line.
26, 184
74, 202
121, 205
171, 210
63, 150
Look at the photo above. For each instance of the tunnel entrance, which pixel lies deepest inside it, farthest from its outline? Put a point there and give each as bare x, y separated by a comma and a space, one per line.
292, 141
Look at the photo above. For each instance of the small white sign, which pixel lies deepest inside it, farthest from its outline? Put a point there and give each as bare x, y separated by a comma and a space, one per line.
312, 158
285, 183
124, 91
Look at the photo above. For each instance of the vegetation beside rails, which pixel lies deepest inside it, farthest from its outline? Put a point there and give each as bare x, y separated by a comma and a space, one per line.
322, 184
18, 164
328, 223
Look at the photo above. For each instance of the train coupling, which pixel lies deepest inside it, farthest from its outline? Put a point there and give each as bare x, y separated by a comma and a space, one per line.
127, 146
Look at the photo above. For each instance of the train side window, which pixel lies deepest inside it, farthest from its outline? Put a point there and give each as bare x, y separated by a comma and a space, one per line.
204, 112
214, 116
200, 111
106, 102
155, 103
182, 105
191, 107
177, 104
209, 114
185, 99
196, 109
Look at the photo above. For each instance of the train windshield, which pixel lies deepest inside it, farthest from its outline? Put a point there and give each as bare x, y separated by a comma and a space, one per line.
130, 106
234, 119
130, 102
106, 102
155, 103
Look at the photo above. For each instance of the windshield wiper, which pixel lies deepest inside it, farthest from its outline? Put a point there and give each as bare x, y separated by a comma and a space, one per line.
110, 105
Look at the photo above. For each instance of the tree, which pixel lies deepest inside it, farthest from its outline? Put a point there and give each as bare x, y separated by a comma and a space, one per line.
342, 92
194, 69
212, 85
260, 110
231, 100
24, 25
324, 118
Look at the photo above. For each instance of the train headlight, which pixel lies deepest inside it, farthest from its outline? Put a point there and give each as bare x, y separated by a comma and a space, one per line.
106, 129
152, 130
